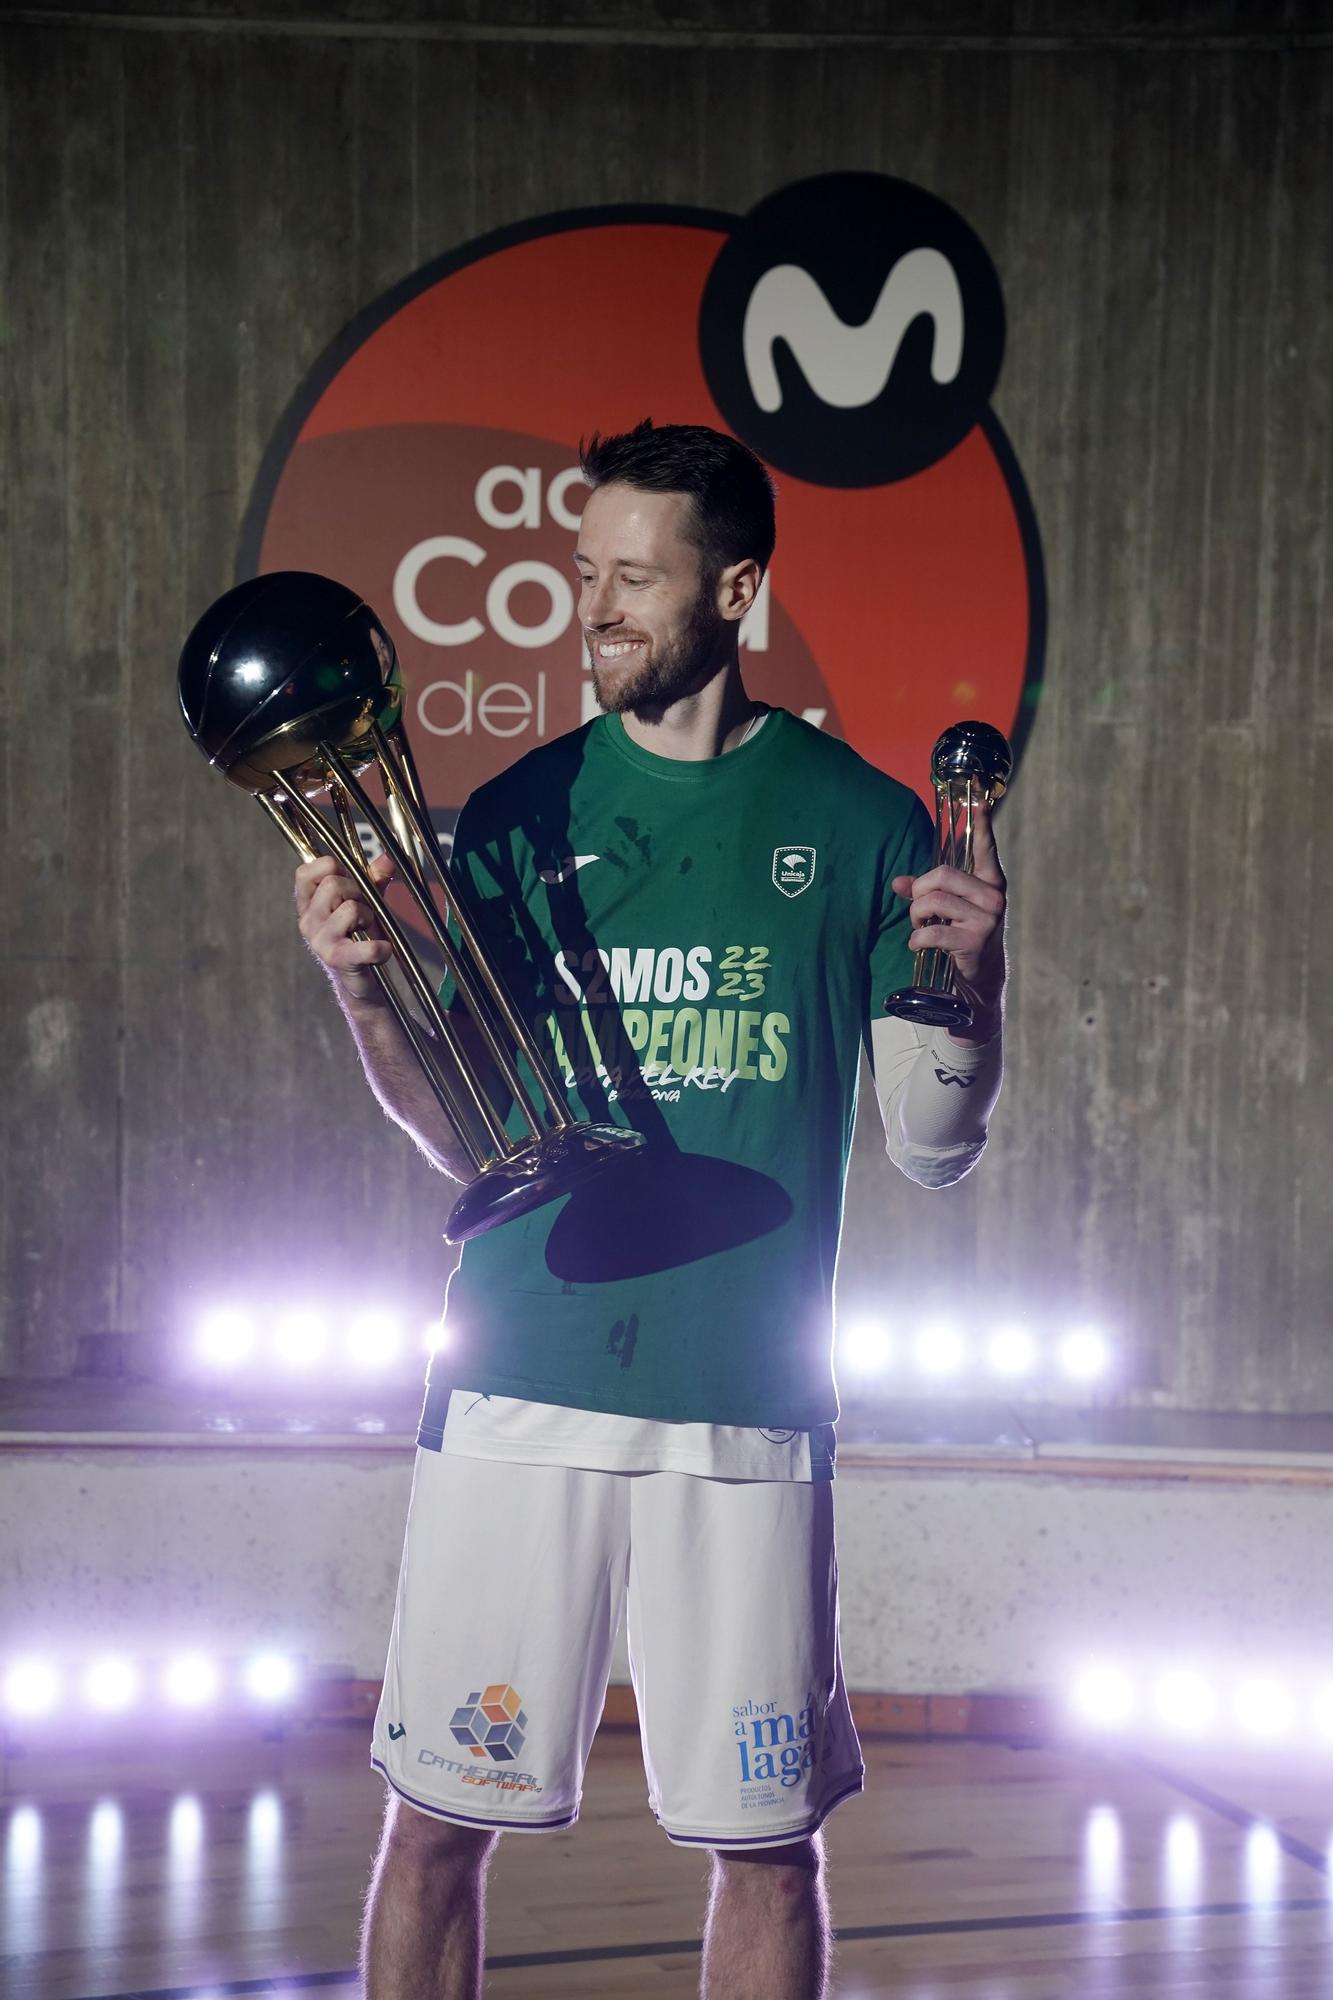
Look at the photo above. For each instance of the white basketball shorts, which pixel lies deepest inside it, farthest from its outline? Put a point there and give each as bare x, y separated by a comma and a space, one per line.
509, 1602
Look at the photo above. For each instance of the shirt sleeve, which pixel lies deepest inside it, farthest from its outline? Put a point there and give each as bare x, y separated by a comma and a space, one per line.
935, 1097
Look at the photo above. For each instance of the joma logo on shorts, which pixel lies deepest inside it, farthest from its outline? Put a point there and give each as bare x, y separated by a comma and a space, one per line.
772, 1745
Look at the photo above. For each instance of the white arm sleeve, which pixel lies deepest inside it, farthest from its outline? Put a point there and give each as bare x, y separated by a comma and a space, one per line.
935, 1097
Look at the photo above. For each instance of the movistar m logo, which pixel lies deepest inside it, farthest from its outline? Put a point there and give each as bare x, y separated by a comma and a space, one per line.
848, 366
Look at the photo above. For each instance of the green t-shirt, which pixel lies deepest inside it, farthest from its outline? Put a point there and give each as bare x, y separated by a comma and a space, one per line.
701, 947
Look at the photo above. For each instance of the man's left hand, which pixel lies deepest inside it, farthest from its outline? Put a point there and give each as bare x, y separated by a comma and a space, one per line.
962, 913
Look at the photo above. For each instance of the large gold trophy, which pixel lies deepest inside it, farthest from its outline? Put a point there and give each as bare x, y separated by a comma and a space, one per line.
970, 764
290, 686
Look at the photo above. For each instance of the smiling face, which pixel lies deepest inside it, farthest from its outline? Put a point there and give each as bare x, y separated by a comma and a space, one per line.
655, 626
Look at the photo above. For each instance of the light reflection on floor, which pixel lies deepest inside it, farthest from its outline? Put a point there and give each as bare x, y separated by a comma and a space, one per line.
1102, 1858
185, 1843
106, 1839
1147, 1849
1182, 1861
264, 1850
23, 1880
1264, 1885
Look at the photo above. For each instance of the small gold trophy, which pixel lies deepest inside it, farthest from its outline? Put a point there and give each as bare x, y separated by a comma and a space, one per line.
970, 764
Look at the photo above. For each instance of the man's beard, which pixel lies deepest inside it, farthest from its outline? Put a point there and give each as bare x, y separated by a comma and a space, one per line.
681, 668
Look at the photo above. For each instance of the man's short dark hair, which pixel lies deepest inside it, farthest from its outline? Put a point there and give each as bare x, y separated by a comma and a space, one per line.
730, 491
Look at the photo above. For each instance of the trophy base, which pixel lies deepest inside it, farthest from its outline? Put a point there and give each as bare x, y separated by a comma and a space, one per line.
542, 1172
929, 1009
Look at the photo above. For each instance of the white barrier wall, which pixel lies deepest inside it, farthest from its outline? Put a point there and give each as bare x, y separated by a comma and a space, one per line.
951, 1582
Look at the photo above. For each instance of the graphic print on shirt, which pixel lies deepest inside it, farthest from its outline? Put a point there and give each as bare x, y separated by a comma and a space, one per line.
649, 997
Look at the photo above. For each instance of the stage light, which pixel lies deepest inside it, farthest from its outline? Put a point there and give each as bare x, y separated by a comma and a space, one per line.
1011, 1351
269, 1677
110, 1685
374, 1340
864, 1348
225, 1337
1264, 1709
32, 1688
938, 1350
1185, 1703
435, 1336
1104, 1697
190, 1681
1083, 1354
300, 1337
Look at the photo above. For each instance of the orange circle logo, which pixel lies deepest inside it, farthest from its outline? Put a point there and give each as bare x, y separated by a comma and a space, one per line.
850, 330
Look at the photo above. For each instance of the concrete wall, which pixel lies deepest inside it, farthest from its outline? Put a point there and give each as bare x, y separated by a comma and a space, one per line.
193, 209
951, 1583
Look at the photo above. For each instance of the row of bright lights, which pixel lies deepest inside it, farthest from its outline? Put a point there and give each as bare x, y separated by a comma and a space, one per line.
938, 1351
1183, 1702
300, 1338
113, 1684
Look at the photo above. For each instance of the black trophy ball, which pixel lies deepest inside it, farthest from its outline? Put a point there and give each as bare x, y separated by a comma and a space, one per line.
280, 665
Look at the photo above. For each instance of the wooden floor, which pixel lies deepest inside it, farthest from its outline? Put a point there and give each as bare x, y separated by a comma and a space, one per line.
968, 1872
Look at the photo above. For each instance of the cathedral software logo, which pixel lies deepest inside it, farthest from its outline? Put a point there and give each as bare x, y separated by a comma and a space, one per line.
850, 328
491, 1723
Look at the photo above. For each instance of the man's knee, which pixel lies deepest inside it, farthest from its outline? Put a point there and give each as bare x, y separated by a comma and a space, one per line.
417, 1839
781, 1877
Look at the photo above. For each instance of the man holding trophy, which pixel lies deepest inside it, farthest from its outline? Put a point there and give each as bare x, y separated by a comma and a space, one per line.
698, 905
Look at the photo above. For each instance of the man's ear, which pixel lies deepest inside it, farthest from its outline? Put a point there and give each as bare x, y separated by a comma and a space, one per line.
738, 587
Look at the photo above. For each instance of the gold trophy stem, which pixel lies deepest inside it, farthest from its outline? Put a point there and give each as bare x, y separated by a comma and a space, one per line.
455, 1108
416, 880
441, 1086
400, 775
932, 971
314, 823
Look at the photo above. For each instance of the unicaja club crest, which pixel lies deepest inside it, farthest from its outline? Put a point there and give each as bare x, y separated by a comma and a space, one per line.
793, 869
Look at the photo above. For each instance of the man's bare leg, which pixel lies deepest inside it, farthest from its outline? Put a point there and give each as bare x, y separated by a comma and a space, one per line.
425, 1931
767, 1936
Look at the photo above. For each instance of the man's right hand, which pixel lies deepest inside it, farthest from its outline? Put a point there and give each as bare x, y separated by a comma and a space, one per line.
329, 907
